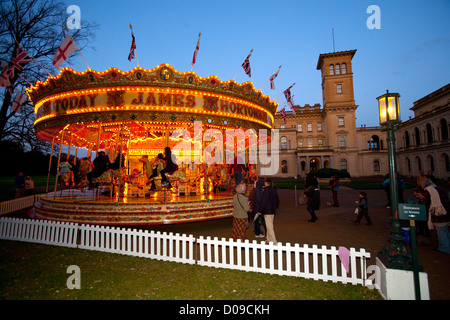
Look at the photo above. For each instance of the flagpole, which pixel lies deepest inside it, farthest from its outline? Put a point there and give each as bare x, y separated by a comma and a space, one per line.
77, 48
241, 65
34, 60
269, 79
135, 54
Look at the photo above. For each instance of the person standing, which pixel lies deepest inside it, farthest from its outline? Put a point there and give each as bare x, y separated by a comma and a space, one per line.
20, 185
240, 212
259, 219
363, 209
170, 167
334, 186
439, 214
29, 186
310, 195
269, 205
237, 168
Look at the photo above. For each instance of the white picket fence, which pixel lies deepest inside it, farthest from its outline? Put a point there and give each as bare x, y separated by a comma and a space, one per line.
18, 204
282, 259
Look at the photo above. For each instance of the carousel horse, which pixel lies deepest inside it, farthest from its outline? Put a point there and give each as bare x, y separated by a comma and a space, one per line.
65, 175
84, 169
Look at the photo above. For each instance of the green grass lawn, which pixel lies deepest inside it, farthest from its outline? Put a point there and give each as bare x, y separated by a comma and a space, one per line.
32, 271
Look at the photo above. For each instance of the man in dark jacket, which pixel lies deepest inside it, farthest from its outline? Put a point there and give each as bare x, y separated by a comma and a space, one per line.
259, 219
268, 207
310, 195
101, 164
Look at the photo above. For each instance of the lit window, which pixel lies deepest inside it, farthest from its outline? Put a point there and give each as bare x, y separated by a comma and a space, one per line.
284, 166
282, 127
376, 165
338, 69
341, 121
339, 88
342, 141
343, 164
331, 69
283, 143
344, 68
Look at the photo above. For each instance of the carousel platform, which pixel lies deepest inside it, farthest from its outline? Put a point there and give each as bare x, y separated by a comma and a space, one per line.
161, 207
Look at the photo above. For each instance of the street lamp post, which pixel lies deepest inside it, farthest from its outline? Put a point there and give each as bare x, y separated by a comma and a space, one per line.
394, 255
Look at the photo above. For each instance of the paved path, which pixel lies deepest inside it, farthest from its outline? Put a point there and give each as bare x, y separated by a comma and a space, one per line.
335, 227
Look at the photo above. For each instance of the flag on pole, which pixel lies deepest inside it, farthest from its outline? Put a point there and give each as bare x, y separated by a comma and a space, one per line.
246, 65
18, 101
18, 62
290, 101
272, 78
283, 113
65, 50
4, 77
194, 58
132, 54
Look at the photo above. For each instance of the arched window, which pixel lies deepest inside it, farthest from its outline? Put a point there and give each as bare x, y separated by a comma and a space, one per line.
417, 136
283, 143
408, 164
407, 139
338, 69
344, 68
331, 69
447, 162
429, 133
284, 166
343, 164
376, 165
444, 130
431, 162
419, 163
374, 142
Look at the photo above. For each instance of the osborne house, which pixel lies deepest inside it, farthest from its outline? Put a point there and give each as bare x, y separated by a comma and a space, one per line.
325, 136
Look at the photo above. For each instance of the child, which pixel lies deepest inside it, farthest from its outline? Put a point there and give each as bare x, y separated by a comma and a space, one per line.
363, 209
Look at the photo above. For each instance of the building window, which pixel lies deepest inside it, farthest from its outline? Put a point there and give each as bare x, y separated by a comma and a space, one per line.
341, 122
419, 163
338, 69
431, 161
299, 127
342, 141
300, 143
339, 88
374, 143
331, 69
282, 127
417, 136
284, 166
429, 133
344, 68
444, 130
283, 143
320, 142
407, 139
376, 165
319, 127
343, 164
447, 163
408, 163
309, 127
310, 143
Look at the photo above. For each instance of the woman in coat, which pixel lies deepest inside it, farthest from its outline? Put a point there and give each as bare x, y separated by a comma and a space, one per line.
240, 212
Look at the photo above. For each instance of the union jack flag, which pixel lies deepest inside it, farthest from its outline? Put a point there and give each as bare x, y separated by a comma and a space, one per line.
272, 78
283, 113
246, 66
18, 62
133, 47
290, 101
4, 77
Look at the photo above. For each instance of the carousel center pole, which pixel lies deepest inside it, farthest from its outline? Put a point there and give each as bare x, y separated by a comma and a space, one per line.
50, 164
59, 159
120, 167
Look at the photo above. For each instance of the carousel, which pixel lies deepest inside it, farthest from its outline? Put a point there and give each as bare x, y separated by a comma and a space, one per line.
154, 144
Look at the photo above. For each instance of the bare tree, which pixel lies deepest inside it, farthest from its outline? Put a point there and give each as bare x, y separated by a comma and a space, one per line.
39, 26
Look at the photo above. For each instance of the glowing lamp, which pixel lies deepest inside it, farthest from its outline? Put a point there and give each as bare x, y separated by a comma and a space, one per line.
389, 108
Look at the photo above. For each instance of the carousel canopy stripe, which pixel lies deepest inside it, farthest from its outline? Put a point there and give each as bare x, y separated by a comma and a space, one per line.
141, 90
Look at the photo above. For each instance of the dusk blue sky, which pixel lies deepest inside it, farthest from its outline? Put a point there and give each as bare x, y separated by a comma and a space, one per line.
408, 55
